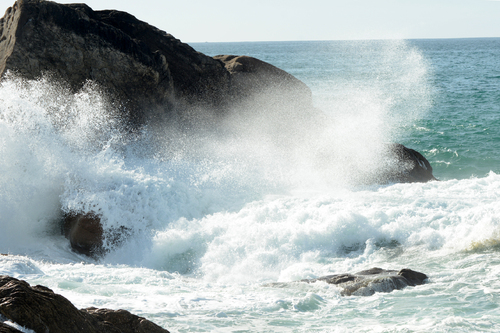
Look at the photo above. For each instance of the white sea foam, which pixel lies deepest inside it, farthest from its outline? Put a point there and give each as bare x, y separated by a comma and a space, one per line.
211, 217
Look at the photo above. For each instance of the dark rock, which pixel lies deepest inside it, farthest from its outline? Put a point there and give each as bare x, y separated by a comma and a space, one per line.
368, 282
251, 76
38, 308
411, 166
87, 236
85, 233
123, 320
147, 70
413, 278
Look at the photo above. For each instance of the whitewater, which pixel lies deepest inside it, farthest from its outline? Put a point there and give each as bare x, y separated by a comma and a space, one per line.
208, 217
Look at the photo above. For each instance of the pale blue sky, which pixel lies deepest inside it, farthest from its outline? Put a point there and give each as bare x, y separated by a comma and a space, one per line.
280, 20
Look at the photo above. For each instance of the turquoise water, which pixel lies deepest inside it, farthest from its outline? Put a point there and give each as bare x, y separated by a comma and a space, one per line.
208, 231
456, 123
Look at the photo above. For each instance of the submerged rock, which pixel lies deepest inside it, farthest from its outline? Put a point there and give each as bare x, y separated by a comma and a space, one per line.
368, 282
40, 309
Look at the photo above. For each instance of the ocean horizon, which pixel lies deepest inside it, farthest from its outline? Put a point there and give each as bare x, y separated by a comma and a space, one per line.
214, 218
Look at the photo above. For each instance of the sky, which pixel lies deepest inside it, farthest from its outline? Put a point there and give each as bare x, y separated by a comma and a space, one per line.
286, 20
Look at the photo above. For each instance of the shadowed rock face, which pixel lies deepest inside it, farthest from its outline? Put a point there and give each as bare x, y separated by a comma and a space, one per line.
38, 308
145, 69
368, 282
251, 76
412, 167
85, 233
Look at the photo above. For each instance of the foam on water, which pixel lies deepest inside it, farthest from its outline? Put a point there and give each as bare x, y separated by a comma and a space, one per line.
285, 238
210, 217
68, 152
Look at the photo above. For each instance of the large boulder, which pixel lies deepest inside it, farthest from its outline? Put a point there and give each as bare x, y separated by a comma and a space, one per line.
368, 282
145, 69
40, 309
253, 77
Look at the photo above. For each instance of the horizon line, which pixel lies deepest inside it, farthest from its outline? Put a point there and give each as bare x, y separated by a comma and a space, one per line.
338, 40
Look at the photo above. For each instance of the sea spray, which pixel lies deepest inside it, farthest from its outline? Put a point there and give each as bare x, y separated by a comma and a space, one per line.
211, 229
371, 105
49, 135
140, 183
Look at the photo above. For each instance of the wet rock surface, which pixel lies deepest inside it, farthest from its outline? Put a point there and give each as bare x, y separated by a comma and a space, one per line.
40, 309
368, 282
4, 328
84, 232
412, 167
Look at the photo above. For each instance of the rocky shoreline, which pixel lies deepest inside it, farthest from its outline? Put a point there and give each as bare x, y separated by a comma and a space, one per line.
152, 78
39, 309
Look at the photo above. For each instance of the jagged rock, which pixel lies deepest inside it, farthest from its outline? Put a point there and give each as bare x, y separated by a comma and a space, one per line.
38, 308
368, 282
147, 70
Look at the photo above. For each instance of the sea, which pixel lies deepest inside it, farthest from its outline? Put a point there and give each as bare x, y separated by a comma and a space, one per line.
213, 219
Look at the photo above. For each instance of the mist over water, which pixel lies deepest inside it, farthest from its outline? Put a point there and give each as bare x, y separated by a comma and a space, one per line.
211, 212
71, 151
